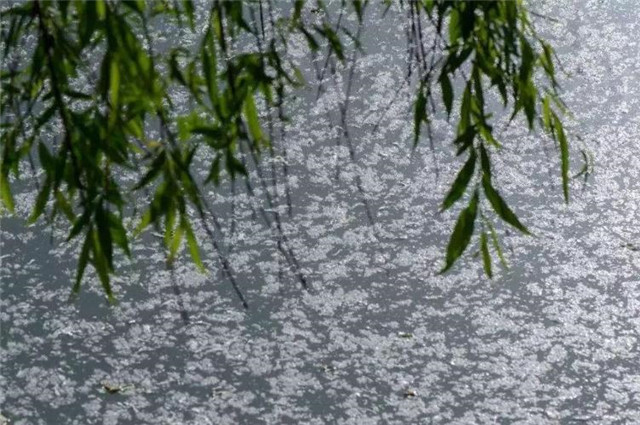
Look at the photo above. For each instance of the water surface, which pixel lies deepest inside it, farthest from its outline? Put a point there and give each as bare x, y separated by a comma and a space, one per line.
381, 337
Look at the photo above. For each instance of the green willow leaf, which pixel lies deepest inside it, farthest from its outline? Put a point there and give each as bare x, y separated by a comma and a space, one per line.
528, 58
297, 11
214, 171
136, 5
357, 5
79, 224
546, 115
465, 140
455, 30
169, 227
461, 182
209, 67
174, 69
118, 233
5, 192
88, 17
234, 166
484, 161
462, 233
500, 206
104, 235
311, 41
465, 109
564, 155
189, 10
486, 131
193, 245
455, 59
477, 84
63, 204
114, 84
101, 9
213, 133
176, 241
527, 99
47, 161
496, 243
486, 257
333, 39
251, 114
468, 18
101, 264
145, 221
447, 92
82, 264
41, 201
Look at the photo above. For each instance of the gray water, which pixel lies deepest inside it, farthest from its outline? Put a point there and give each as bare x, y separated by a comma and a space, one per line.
380, 337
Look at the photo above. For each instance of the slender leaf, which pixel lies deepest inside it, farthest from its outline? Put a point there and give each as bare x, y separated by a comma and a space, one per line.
189, 11
82, 263
193, 245
145, 221
484, 161
564, 156
47, 161
455, 30
209, 67
486, 257
214, 171
251, 114
465, 109
79, 224
104, 235
496, 244
176, 241
333, 39
311, 41
501, 207
462, 233
461, 182
546, 115
357, 5
63, 204
465, 140
101, 8
118, 233
41, 201
447, 92
5, 191
234, 166
100, 262
114, 85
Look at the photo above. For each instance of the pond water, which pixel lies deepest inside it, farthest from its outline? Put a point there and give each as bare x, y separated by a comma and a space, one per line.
380, 337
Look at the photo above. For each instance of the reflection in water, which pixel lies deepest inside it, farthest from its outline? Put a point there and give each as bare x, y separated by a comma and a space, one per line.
380, 337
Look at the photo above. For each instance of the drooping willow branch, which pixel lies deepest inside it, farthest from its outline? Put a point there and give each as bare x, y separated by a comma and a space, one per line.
458, 53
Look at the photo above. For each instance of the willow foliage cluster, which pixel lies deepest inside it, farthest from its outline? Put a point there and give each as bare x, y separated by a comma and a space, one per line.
478, 46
